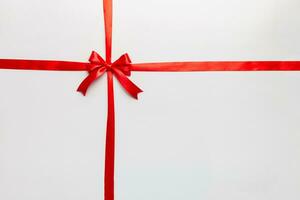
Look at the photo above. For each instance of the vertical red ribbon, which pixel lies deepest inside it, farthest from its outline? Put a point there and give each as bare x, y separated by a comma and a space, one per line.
110, 127
110, 142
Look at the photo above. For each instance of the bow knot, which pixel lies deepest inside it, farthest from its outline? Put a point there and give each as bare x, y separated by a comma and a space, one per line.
120, 68
108, 67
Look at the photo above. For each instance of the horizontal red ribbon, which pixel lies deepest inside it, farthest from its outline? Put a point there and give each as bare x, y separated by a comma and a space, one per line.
121, 69
218, 66
43, 65
20, 64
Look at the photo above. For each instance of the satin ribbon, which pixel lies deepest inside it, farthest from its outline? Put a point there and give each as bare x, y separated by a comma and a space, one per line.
122, 69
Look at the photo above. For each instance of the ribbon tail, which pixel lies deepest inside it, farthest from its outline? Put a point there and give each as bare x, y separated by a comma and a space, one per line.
110, 142
127, 84
86, 83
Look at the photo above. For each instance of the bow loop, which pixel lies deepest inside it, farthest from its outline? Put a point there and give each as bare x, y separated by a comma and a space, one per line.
123, 63
96, 61
95, 58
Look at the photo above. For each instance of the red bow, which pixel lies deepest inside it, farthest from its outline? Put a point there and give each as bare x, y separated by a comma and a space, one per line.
120, 68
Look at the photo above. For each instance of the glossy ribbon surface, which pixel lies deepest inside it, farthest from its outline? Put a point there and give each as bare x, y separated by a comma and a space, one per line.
122, 69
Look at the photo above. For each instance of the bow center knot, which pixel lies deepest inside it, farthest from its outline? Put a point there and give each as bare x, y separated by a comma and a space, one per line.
120, 69
108, 67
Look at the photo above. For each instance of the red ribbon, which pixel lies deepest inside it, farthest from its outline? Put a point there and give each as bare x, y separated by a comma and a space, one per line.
121, 69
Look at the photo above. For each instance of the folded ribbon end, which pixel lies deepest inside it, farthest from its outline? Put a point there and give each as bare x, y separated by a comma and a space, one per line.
135, 94
81, 90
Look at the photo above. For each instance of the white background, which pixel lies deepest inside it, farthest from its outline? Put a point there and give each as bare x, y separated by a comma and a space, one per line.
206, 135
